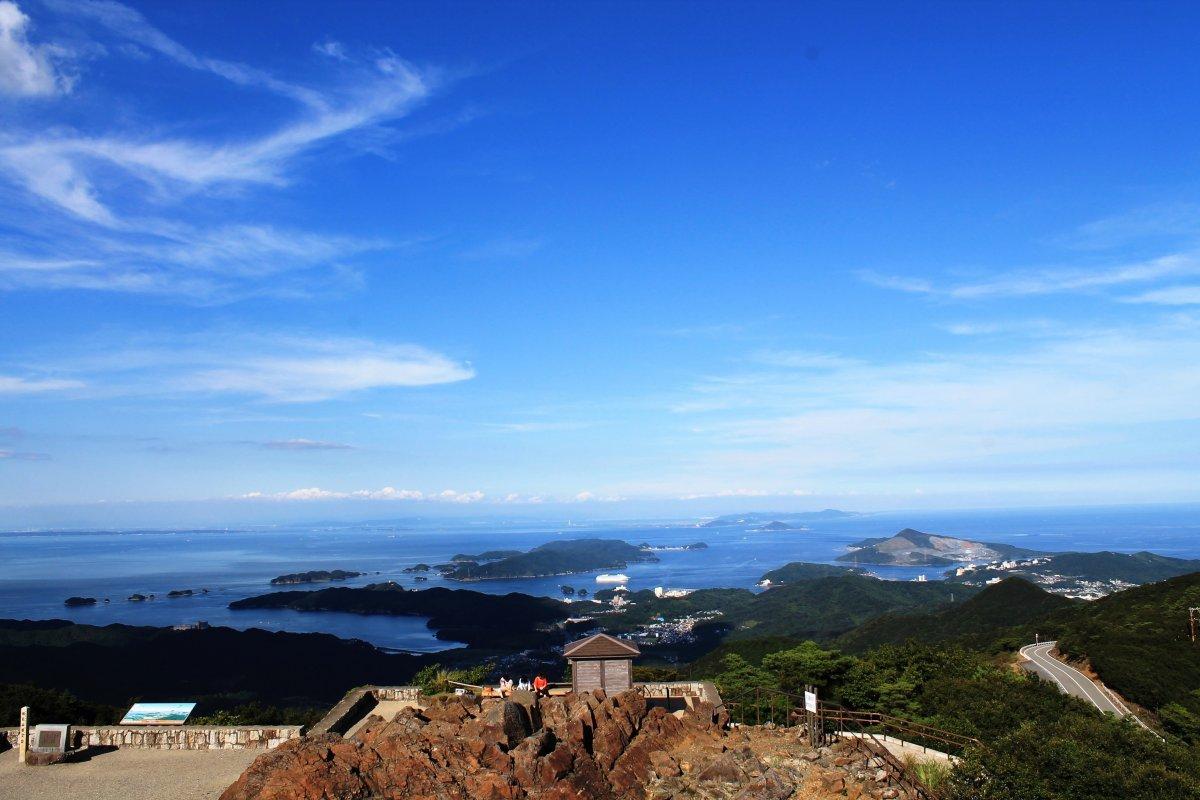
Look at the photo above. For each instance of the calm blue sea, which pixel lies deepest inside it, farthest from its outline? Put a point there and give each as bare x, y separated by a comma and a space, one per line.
39, 570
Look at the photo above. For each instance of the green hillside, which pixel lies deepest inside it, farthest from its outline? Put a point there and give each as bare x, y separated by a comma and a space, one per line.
979, 620
1138, 643
827, 607
803, 571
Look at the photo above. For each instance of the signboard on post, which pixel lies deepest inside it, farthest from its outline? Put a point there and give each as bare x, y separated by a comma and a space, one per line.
23, 743
810, 702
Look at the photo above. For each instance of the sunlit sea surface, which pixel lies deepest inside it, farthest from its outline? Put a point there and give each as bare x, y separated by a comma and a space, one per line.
39, 570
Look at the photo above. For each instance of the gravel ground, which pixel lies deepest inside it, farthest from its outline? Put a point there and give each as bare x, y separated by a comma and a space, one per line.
127, 775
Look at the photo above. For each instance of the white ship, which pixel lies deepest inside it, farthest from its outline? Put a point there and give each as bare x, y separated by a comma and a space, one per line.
612, 577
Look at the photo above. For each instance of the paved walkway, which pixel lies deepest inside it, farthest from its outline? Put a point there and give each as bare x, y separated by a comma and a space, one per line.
904, 750
127, 775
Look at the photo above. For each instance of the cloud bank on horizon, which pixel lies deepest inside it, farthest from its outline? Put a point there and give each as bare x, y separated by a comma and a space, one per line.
364, 257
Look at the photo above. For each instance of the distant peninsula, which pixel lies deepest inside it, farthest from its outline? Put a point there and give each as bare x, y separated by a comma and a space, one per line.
1087, 576
567, 557
913, 548
793, 519
663, 548
314, 576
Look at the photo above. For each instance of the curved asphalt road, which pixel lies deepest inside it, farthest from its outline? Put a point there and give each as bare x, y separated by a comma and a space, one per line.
1069, 679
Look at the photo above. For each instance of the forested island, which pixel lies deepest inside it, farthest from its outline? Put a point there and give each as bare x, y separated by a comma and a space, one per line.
511, 621
314, 576
566, 557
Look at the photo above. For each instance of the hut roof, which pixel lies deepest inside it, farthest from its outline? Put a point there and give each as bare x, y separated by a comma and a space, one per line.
601, 645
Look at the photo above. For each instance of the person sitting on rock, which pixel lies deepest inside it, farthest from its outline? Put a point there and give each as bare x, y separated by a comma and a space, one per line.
541, 686
506, 686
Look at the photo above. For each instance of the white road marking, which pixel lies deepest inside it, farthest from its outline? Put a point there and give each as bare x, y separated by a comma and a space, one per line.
1040, 654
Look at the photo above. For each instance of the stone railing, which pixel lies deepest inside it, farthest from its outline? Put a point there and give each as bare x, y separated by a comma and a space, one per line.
359, 702
175, 737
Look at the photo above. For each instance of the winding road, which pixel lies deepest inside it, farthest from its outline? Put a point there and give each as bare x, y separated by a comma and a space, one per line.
1070, 680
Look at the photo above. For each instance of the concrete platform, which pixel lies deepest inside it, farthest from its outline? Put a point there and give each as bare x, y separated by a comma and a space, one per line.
127, 775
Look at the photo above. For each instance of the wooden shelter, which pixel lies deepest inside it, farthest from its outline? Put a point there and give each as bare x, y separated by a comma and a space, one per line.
601, 661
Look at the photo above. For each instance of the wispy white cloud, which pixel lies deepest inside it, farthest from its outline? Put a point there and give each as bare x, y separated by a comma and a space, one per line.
323, 374
204, 266
1025, 283
331, 49
18, 455
131, 25
385, 493
305, 444
14, 384
27, 69
270, 367
1057, 396
593, 497
1155, 221
508, 248
1169, 296
120, 193
58, 169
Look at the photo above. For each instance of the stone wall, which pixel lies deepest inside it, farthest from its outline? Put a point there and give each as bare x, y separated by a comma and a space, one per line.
689, 690
410, 694
176, 737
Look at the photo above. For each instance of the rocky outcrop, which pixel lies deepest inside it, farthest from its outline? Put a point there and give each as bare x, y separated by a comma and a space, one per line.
586, 746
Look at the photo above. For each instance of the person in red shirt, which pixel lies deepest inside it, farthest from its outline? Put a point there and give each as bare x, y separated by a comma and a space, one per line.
541, 686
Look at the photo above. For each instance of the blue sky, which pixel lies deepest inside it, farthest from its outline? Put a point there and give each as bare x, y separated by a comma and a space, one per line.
266, 259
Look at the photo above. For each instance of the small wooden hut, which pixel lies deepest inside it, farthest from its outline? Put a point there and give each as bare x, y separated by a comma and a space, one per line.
601, 661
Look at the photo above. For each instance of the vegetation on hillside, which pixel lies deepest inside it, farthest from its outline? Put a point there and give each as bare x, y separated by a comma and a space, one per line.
1040, 743
511, 621
804, 571
981, 621
1138, 643
556, 558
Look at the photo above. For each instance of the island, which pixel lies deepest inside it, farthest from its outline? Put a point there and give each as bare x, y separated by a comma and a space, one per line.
138, 598
567, 557
913, 548
804, 571
75, 602
314, 576
488, 555
180, 593
508, 622
778, 525
418, 568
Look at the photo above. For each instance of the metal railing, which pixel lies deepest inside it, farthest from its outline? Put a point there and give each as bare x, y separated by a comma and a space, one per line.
859, 729
913, 732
